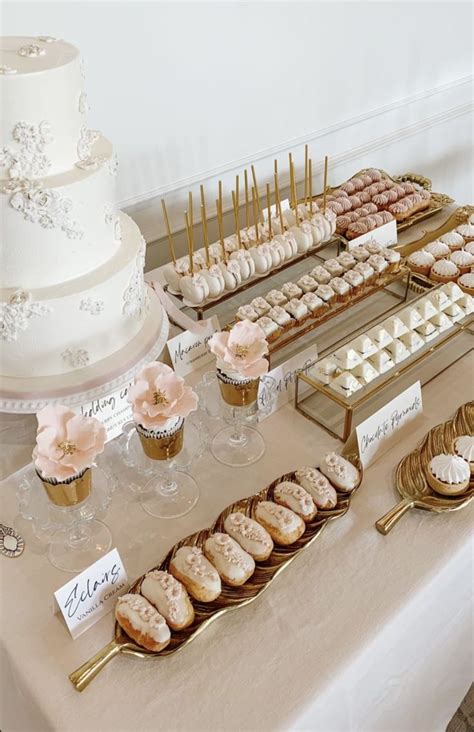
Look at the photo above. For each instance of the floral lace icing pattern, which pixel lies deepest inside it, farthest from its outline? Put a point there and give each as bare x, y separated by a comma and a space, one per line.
108, 213
198, 565
118, 230
30, 161
86, 141
91, 163
225, 546
4, 69
144, 610
335, 465
136, 301
82, 104
249, 529
32, 50
113, 165
75, 357
16, 314
174, 591
48, 208
82, 69
94, 307
282, 515
47, 39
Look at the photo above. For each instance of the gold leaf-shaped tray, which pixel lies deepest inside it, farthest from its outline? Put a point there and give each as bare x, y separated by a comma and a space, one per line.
231, 597
411, 472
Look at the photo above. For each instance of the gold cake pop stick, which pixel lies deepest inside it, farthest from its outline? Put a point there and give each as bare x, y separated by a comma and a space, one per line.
278, 201
310, 185
306, 168
190, 210
168, 231
221, 228
325, 184
255, 213
269, 207
205, 232
246, 187
290, 163
190, 242
236, 219
257, 194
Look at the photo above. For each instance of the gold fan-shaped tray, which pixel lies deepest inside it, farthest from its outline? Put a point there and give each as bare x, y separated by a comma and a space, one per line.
411, 471
231, 597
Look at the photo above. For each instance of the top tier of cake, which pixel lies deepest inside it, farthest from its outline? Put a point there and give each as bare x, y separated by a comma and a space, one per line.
41, 85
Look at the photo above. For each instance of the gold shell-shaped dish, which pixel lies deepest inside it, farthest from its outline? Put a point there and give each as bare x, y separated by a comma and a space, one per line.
411, 472
231, 597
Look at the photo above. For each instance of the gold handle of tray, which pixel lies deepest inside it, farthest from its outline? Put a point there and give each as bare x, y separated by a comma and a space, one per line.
82, 676
417, 178
387, 522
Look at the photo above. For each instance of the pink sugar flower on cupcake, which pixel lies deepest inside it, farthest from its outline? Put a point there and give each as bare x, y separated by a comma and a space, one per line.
241, 350
66, 443
159, 397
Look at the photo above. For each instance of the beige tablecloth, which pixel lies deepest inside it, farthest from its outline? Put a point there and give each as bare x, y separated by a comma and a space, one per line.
362, 632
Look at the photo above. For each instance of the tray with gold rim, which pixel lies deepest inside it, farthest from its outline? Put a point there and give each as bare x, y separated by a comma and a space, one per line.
438, 201
420, 282
231, 597
410, 476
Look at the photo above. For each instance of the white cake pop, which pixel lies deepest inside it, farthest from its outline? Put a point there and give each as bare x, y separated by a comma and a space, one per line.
277, 251
173, 273
231, 273
246, 263
262, 257
214, 279
194, 288
303, 236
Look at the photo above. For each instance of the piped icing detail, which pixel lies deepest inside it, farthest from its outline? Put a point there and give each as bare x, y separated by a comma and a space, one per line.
450, 469
143, 617
464, 446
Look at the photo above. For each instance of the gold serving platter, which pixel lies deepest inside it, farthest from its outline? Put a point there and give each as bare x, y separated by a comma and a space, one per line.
231, 597
411, 472
438, 201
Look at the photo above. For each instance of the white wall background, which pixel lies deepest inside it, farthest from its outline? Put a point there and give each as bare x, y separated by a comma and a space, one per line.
193, 92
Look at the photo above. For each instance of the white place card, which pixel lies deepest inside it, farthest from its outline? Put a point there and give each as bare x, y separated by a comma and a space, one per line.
285, 377
91, 594
188, 351
113, 410
385, 235
374, 434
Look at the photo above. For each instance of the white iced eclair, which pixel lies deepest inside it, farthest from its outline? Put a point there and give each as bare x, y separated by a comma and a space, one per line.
169, 597
318, 486
234, 564
343, 474
142, 623
251, 536
295, 498
283, 525
200, 578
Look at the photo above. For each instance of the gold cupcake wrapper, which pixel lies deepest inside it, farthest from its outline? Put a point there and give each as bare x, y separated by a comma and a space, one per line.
239, 394
162, 448
70, 492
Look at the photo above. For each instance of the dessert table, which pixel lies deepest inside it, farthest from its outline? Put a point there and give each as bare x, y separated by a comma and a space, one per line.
363, 631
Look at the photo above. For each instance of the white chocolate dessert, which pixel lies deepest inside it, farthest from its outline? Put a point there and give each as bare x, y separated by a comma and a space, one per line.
284, 526
142, 623
365, 372
448, 474
464, 447
395, 326
276, 297
325, 370
412, 341
426, 309
380, 336
169, 597
454, 312
427, 331
441, 322
466, 303
281, 317
397, 350
381, 361
293, 496
318, 486
251, 536
364, 346
346, 384
233, 563
347, 357
411, 317
197, 574
341, 472
297, 309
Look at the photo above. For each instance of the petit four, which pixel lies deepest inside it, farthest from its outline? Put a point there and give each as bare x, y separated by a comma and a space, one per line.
360, 254
297, 309
281, 317
326, 293
251, 536
378, 262
466, 281
321, 275
260, 305
365, 270
438, 249
233, 563
197, 574
412, 341
334, 268
141, 622
373, 247
307, 283
393, 258
312, 302
346, 384
169, 597
271, 329
397, 350
341, 288
342, 473
448, 474
291, 290
354, 279
463, 260
295, 498
346, 260
427, 331
464, 447
364, 346
247, 312
275, 297
444, 271
381, 361
284, 526
318, 486
421, 262
365, 372
347, 357
453, 239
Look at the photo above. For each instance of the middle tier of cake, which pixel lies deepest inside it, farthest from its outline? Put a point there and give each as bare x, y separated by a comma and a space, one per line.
54, 330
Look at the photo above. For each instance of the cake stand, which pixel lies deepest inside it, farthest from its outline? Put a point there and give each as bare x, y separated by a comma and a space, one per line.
28, 396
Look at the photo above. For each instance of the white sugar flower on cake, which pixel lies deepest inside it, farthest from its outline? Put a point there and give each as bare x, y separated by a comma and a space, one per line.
241, 350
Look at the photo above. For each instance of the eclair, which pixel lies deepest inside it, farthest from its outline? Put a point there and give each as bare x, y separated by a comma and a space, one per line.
318, 486
232, 562
342, 473
142, 623
284, 526
251, 536
169, 597
200, 578
293, 496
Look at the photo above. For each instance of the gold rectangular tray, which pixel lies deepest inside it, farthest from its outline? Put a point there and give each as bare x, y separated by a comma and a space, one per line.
231, 597
410, 477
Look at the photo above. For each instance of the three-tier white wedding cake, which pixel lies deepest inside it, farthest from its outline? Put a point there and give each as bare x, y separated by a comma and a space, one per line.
74, 307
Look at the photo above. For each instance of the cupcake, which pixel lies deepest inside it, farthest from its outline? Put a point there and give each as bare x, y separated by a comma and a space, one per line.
66, 447
463, 260
466, 281
240, 362
160, 403
448, 474
453, 239
464, 448
421, 262
444, 271
438, 249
